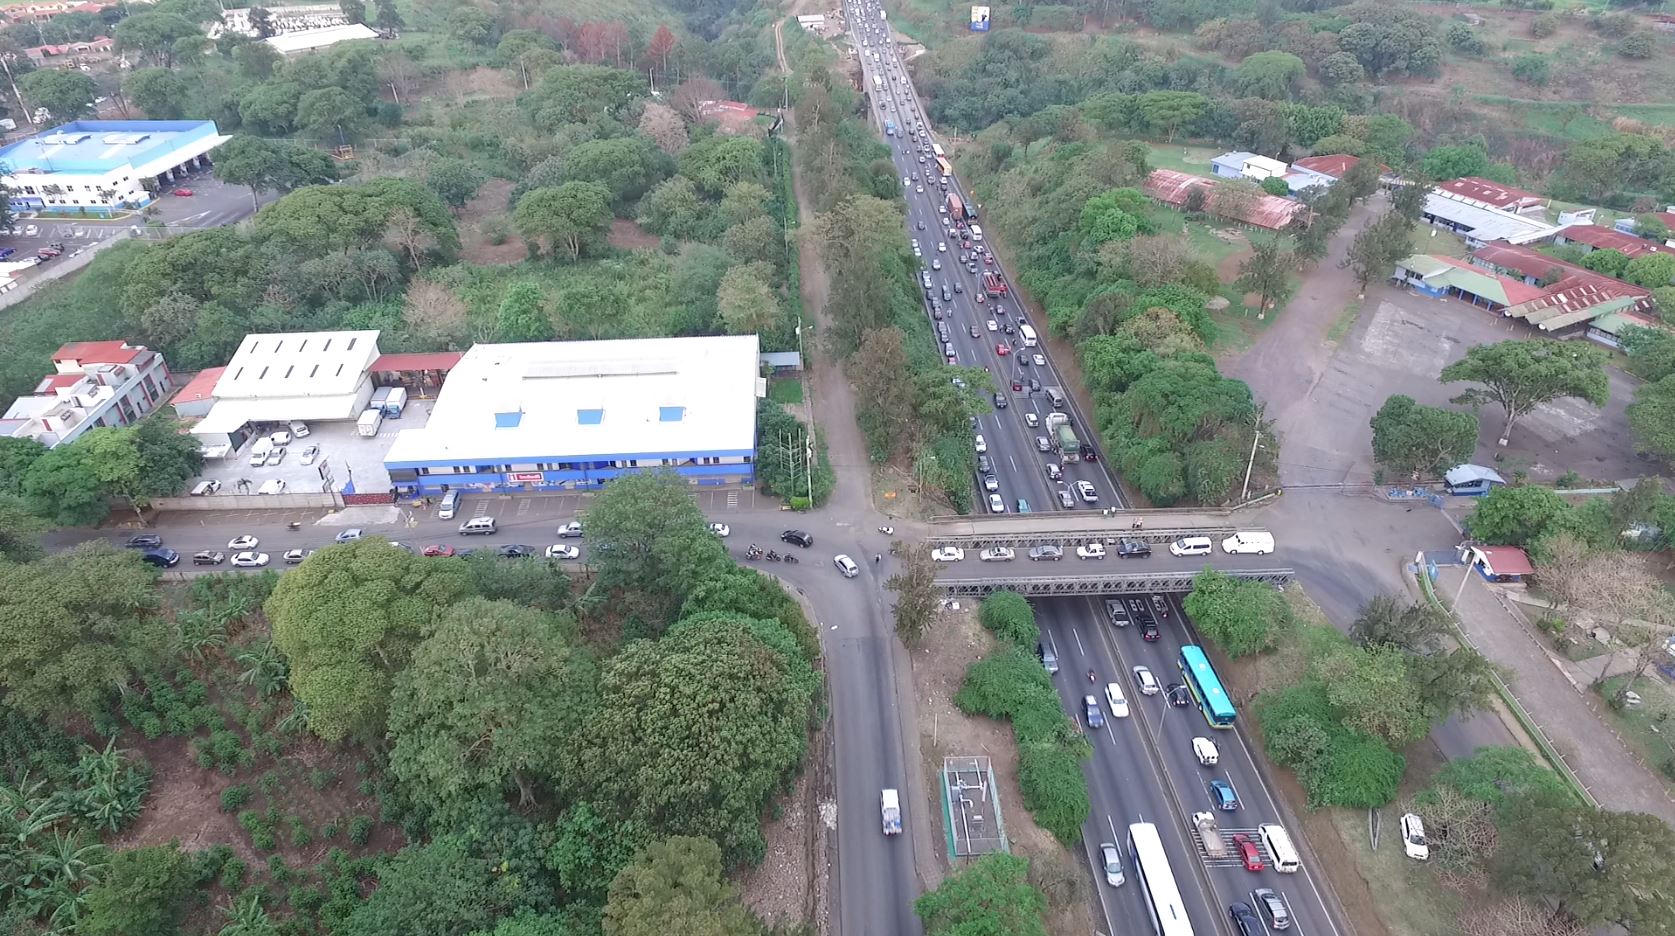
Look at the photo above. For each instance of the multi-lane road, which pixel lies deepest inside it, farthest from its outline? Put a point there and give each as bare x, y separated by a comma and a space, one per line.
1143, 767
1018, 465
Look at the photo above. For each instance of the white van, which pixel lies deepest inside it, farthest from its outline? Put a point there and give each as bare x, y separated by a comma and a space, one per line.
1055, 396
206, 488
450, 503
1205, 750
1286, 859
1192, 546
272, 486
846, 565
259, 454
1258, 542
477, 526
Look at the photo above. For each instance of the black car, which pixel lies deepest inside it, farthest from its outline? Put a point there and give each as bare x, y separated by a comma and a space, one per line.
161, 557
1244, 919
1148, 631
1088, 454
515, 551
1000, 401
1139, 612
144, 541
1133, 549
1178, 696
797, 538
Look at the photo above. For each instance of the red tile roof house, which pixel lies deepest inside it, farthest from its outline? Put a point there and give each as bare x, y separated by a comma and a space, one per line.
1592, 237
1571, 296
1476, 191
1269, 211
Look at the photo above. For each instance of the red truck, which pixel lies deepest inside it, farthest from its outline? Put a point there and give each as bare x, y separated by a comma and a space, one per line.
956, 208
993, 284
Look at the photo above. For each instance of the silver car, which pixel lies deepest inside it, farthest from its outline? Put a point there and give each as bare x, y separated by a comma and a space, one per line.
1112, 859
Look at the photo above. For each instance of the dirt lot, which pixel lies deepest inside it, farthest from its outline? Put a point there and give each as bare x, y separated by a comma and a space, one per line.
938, 671
485, 219
626, 235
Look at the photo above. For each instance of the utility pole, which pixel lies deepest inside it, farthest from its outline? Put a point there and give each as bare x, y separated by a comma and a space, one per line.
1257, 437
6, 63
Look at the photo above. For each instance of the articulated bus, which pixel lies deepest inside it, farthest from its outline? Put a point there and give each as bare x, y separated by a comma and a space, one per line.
1157, 882
944, 165
1206, 688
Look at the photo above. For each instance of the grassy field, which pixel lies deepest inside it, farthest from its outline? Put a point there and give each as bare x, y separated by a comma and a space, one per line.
1649, 728
1193, 159
1410, 902
788, 390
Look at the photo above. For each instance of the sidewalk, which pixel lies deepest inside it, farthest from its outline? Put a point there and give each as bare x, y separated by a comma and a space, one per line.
1565, 710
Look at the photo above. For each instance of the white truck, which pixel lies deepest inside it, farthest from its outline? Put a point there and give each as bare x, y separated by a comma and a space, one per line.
890, 807
369, 422
1214, 845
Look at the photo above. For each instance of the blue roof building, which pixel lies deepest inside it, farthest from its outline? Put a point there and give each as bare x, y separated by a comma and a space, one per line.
97, 167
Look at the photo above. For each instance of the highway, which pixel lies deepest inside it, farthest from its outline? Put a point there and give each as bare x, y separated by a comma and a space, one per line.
1018, 464
1143, 769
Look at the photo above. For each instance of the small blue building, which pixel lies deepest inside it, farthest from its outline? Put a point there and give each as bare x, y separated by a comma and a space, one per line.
1471, 480
569, 415
99, 167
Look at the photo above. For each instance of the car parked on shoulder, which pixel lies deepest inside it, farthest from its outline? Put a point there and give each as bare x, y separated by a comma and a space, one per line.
294, 556
515, 551
162, 557
435, 550
1413, 838
250, 560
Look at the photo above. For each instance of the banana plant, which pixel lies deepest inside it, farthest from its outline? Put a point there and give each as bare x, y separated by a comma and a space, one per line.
245, 917
198, 634
264, 668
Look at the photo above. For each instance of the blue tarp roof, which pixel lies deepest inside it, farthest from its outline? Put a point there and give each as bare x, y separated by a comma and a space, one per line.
1467, 474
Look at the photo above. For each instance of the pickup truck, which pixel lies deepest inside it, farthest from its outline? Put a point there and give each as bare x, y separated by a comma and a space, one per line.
890, 807
1214, 845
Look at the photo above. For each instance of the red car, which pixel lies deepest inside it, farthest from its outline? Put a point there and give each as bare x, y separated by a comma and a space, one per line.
439, 549
1247, 851
965, 245
1002, 349
183, 192
1017, 385
989, 259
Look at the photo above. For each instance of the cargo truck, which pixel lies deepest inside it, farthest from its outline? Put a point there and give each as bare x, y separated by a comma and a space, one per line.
890, 804
878, 82
956, 208
369, 422
1214, 845
1064, 437
993, 284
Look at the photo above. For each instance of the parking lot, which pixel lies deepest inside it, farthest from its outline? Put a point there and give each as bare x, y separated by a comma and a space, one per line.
343, 460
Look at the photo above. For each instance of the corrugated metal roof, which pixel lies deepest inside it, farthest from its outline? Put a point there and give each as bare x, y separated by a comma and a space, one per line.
1267, 211
1334, 166
1504, 197
1604, 238
417, 361
1505, 560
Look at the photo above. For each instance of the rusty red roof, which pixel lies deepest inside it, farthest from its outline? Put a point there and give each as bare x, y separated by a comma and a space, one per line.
1604, 238
1504, 197
420, 361
1334, 166
201, 386
1506, 560
1268, 211
97, 352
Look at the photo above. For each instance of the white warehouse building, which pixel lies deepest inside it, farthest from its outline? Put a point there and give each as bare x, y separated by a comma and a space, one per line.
277, 378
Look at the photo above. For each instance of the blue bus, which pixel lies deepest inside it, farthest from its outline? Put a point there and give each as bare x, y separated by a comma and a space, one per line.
889, 128
1206, 688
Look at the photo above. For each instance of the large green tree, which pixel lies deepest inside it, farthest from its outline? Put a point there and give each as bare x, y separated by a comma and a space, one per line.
1603, 867
676, 886
747, 302
491, 698
1651, 417
1008, 616
1267, 272
1518, 515
917, 596
161, 92
348, 621
270, 165
76, 628
649, 539
1374, 693
145, 892
1421, 441
695, 732
66, 95
439, 888
570, 218
1241, 617
992, 895
523, 314
860, 242
1521, 375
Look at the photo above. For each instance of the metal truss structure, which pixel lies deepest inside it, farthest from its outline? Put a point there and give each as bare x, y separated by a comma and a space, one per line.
1102, 584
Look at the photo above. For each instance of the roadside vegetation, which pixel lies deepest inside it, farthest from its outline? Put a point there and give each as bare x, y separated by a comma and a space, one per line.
370, 784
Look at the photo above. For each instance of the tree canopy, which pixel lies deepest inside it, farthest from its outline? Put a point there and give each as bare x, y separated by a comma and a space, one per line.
1520, 375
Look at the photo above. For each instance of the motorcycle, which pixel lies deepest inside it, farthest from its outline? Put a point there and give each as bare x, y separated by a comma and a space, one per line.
772, 556
791, 559
295, 525
887, 531
754, 552
1091, 677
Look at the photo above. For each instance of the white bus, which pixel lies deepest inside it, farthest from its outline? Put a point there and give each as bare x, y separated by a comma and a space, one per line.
1028, 331
1286, 859
1157, 882
936, 149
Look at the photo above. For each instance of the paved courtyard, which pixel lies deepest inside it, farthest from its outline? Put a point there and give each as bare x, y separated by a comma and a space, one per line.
1324, 401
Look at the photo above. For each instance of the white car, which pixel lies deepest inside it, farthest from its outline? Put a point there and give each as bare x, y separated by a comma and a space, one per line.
243, 542
1039, 360
1413, 838
310, 454
993, 325
905, 181
996, 554
1146, 681
250, 560
1086, 491
1031, 420
275, 456
570, 530
941, 247
721, 529
1114, 696
948, 554
982, 446
563, 552
280, 438
1091, 551
294, 556
996, 505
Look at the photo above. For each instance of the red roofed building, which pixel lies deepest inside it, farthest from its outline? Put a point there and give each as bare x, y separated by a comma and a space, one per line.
1334, 166
198, 396
1503, 564
1593, 237
1571, 296
98, 383
1267, 211
419, 372
97, 46
1476, 191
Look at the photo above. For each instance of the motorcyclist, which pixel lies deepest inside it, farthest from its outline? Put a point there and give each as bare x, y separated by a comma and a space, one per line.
1091, 677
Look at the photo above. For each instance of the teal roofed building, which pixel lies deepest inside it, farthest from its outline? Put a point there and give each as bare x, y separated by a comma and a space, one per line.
100, 167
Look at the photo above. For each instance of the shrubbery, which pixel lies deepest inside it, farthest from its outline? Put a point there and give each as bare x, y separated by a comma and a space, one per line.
1009, 617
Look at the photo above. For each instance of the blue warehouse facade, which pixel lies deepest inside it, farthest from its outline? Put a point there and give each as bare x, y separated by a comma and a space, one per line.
554, 416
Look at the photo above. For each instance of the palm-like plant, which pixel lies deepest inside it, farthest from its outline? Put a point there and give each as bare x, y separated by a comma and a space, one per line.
235, 607
264, 668
108, 791
296, 720
198, 634
245, 917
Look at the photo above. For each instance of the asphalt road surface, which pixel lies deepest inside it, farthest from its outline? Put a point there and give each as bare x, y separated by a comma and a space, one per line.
1144, 770
1019, 465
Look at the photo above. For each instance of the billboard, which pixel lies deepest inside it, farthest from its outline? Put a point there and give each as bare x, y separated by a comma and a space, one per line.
979, 19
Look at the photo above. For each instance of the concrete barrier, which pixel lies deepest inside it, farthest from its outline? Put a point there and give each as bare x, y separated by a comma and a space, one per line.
249, 502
